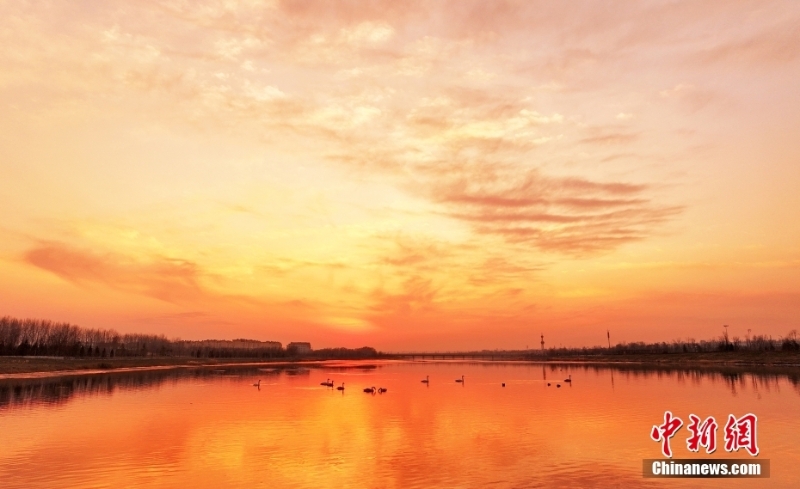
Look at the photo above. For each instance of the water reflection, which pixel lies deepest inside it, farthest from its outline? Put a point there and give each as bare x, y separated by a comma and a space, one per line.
211, 428
16, 393
735, 377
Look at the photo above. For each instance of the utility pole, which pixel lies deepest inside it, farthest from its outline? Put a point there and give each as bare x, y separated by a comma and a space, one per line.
608, 334
542, 344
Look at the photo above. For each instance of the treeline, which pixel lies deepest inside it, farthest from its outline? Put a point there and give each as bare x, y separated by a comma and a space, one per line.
344, 353
755, 343
36, 337
43, 337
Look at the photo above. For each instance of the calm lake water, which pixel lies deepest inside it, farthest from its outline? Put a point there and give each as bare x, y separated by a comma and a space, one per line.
203, 428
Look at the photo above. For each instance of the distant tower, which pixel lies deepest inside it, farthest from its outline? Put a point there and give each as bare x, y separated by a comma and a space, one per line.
542, 343
608, 334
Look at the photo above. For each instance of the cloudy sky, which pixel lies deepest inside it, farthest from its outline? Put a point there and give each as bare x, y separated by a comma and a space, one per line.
424, 175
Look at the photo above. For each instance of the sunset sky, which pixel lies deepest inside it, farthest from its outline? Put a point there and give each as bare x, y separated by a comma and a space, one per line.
405, 175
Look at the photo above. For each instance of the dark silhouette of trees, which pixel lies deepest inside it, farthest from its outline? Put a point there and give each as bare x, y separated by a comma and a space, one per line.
790, 342
48, 338
757, 343
345, 353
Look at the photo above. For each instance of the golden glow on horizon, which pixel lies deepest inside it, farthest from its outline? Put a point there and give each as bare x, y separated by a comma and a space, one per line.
457, 175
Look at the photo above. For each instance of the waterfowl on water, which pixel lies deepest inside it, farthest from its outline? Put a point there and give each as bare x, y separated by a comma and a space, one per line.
341, 387
548, 384
461, 379
504, 384
427, 379
327, 383
558, 385
382, 390
370, 390
568, 379
257, 384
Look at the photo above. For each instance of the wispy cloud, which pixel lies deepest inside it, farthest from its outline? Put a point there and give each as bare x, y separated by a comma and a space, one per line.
567, 215
161, 278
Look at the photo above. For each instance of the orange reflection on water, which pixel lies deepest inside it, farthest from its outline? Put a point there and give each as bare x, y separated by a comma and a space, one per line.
214, 429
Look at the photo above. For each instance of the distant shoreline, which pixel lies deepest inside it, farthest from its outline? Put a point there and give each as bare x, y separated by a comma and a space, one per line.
41, 367
689, 359
14, 367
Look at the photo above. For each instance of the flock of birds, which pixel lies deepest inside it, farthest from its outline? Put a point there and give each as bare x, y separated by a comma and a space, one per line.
368, 390
568, 379
381, 390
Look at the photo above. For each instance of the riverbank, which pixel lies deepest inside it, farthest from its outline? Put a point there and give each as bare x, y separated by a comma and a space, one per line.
11, 367
24, 366
696, 359
686, 359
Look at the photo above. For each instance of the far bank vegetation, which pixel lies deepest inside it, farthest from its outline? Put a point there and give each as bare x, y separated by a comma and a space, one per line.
37, 337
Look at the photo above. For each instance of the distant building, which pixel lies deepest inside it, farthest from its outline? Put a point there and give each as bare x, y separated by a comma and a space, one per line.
239, 344
299, 348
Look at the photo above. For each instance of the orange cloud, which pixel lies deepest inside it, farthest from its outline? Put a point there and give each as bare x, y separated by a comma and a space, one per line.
161, 278
571, 215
